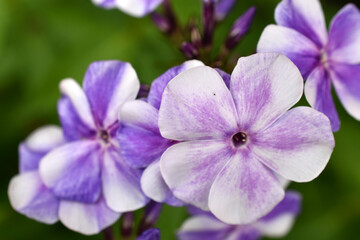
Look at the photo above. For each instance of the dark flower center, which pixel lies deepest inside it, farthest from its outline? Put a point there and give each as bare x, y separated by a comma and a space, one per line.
104, 135
239, 139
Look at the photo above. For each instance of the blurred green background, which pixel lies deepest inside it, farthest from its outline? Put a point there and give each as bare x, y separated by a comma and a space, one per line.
44, 41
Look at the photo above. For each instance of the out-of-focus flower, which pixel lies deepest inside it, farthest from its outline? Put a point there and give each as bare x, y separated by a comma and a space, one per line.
277, 223
232, 141
222, 8
29, 196
150, 234
135, 8
323, 59
140, 139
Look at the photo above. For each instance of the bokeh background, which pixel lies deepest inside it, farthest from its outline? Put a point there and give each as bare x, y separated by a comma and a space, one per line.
44, 41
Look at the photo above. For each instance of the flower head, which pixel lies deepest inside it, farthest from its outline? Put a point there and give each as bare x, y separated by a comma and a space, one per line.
232, 141
204, 225
323, 59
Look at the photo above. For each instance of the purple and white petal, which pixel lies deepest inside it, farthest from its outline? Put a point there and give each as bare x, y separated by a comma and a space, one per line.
108, 85
225, 76
71, 90
107, 4
154, 186
40, 141
204, 227
264, 86
29, 196
159, 84
139, 136
72, 171
280, 220
189, 169
244, 191
344, 38
137, 8
121, 184
197, 105
304, 16
299, 49
346, 80
87, 218
297, 146
150, 234
318, 95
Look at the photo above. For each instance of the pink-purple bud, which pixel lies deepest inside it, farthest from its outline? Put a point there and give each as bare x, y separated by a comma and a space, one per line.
189, 50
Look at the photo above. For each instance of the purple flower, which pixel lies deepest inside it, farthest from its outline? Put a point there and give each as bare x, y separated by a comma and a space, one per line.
323, 59
231, 141
29, 196
140, 139
135, 8
277, 223
222, 8
150, 234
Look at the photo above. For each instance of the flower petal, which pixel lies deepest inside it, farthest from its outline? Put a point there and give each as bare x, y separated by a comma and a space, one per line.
304, 16
318, 95
344, 39
139, 136
346, 79
29, 196
159, 84
197, 105
297, 146
244, 190
72, 171
108, 85
189, 169
154, 186
138, 8
40, 141
150, 234
107, 4
295, 46
264, 86
280, 220
121, 184
87, 218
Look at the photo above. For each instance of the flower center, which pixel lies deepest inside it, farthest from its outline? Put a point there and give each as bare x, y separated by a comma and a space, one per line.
104, 135
239, 139
324, 58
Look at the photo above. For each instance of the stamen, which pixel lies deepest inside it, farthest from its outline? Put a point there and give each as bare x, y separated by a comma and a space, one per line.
104, 135
239, 139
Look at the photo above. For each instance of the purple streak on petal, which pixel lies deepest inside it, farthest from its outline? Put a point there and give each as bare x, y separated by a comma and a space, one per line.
73, 127
29, 196
85, 218
297, 146
244, 190
225, 76
245, 232
109, 84
344, 39
107, 4
72, 171
318, 94
346, 79
197, 211
159, 84
222, 9
29, 160
264, 86
291, 204
139, 136
240, 28
189, 169
150, 234
299, 49
304, 16
121, 183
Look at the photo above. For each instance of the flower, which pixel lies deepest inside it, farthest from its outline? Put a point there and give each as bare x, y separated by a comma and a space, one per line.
29, 196
231, 141
140, 139
323, 59
150, 234
135, 8
277, 223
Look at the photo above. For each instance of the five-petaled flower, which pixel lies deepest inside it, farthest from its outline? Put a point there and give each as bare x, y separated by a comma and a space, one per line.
233, 141
203, 225
301, 35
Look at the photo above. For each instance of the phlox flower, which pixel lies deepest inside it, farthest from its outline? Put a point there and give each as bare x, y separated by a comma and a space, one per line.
323, 59
276, 224
233, 140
